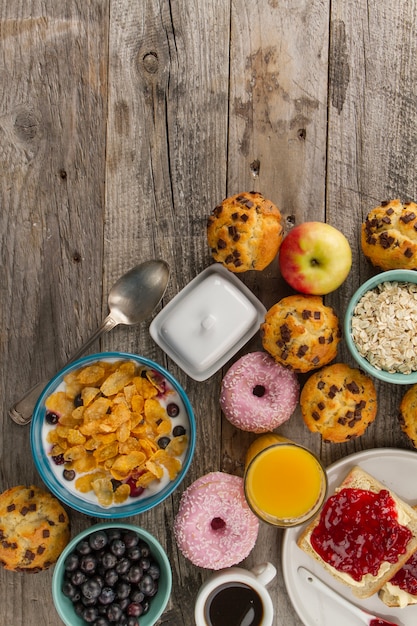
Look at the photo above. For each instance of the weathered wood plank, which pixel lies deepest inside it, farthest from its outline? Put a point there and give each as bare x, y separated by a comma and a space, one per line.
166, 158
277, 145
372, 125
52, 156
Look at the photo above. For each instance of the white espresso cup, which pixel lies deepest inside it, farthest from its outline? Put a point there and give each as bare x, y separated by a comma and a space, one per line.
236, 596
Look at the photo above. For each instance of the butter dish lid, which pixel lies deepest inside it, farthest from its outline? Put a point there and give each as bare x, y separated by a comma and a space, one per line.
207, 322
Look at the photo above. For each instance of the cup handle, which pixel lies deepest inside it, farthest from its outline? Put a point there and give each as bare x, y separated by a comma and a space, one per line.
264, 572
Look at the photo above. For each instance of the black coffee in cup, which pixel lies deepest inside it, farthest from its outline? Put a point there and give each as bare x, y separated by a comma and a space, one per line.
233, 604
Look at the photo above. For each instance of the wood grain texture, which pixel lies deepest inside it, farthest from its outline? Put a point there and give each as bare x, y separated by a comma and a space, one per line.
122, 125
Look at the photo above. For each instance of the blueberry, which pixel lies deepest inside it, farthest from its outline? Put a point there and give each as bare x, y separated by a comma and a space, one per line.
145, 604
114, 612
154, 591
51, 417
134, 553
135, 609
113, 533
78, 401
163, 442
83, 547
145, 562
68, 589
78, 578
147, 585
123, 590
144, 548
178, 431
71, 562
91, 589
58, 459
101, 621
132, 621
108, 560
98, 540
88, 564
111, 577
88, 601
123, 566
154, 571
173, 409
131, 539
90, 614
117, 547
107, 596
124, 603
135, 573
98, 579
68, 474
137, 596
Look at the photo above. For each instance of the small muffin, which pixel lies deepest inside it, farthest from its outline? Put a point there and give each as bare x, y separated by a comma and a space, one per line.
408, 414
339, 402
34, 529
301, 332
245, 232
389, 236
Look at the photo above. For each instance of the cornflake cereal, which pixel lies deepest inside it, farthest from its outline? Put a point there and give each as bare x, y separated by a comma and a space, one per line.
384, 327
116, 430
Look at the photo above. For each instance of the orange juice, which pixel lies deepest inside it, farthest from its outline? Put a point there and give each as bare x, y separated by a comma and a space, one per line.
285, 484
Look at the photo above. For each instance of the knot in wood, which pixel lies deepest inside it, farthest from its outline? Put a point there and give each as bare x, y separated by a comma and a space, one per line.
26, 125
151, 62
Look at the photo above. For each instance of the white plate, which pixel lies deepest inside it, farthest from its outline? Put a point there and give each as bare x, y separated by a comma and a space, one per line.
397, 469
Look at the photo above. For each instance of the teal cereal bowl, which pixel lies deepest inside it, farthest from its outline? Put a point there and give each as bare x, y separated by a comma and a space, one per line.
380, 327
71, 613
97, 440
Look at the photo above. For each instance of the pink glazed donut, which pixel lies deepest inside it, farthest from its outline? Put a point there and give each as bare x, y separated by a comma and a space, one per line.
214, 527
258, 394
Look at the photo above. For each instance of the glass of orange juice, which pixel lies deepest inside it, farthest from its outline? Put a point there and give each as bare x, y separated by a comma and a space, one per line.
285, 484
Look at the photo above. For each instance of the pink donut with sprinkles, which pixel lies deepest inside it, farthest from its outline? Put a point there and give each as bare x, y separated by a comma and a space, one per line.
214, 527
258, 394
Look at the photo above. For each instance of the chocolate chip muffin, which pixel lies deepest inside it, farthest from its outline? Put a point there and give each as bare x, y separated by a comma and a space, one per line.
408, 414
339, 402
245, 232
34, 529
301, 332
389, 236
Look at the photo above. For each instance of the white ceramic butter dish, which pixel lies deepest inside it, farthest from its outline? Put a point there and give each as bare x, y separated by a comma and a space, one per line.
207, 322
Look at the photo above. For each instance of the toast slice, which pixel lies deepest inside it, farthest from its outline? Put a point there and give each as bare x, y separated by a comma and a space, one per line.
395, 597
369, 583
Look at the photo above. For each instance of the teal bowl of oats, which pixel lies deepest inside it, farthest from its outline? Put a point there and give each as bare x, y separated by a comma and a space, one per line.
380, 326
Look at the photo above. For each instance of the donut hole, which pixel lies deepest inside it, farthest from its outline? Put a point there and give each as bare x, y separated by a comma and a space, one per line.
259, 391
217, 523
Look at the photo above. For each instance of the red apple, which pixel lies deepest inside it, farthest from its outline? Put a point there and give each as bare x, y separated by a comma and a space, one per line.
315, 258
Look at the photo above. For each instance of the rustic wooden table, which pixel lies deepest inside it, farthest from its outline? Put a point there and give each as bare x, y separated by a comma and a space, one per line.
122, 125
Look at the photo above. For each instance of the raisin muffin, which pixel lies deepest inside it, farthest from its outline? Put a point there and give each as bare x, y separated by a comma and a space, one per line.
408, 414
389, 236
339, 402
245, 232
34, 529
301, 332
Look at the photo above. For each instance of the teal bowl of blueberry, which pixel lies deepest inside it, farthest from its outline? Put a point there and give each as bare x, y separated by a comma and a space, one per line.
112, 573
113, 435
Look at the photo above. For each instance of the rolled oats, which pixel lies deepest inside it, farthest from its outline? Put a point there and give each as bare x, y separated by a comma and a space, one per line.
384, 327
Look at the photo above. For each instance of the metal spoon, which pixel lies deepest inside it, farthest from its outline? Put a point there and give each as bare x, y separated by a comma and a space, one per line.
131, 300
363, 616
